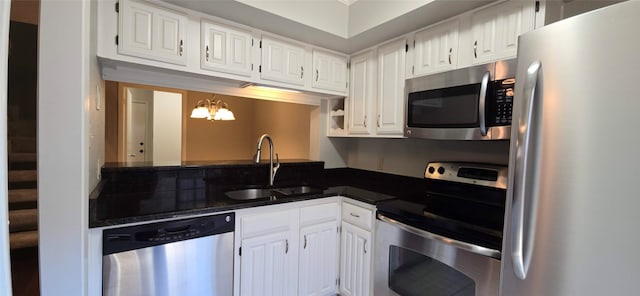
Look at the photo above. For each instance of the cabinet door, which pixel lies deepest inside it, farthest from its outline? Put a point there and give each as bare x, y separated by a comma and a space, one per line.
355, 261
282, 61
225, 49
318, 266
436, 49
361, 93
152, 32
496, 30
390, 102
330, 71
266, 266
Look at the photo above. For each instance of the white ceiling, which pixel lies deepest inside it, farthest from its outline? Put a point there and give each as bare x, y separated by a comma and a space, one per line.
343, 25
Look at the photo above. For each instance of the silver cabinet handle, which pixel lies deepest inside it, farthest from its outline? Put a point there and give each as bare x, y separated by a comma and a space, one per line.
305, 242
450, 51
364, 246
483, 102
527, 148
317, 75
181, 47
378, 121
354, 215
301, 71
207, 52
445, 240
286, 248
364, 122
475, 49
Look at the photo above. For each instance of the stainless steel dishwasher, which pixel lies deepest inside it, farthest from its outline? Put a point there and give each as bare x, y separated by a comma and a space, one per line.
183, 257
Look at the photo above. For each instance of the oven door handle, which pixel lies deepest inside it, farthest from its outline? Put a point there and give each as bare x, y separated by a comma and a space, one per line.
446, 240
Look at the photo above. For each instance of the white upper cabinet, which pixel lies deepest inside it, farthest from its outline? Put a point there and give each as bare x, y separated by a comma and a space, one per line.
330, 71
225, 49
495, 30
436, 49
282, 61
152, 32
390, 91
362, 93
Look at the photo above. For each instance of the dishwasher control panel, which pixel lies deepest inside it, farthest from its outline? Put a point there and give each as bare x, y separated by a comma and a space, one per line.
153, 234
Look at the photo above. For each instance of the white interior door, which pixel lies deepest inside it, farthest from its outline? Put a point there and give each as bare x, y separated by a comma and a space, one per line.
167, 127
139, 145
5, 270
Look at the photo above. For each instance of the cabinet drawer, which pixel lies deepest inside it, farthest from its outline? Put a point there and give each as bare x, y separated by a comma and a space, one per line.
319, 213
260, 224
358, 216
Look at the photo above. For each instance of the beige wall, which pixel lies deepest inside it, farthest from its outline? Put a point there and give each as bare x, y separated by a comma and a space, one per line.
219, 140
288, 124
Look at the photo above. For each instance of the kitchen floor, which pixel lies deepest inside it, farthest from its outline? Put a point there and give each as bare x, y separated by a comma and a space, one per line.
24, 272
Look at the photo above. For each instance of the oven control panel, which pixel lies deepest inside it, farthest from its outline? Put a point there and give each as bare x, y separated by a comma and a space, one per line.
471, 173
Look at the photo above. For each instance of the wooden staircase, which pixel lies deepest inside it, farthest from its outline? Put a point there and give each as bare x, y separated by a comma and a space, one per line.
23, 182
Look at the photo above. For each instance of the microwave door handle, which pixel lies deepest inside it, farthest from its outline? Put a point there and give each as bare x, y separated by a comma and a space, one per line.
525, 194
483, 102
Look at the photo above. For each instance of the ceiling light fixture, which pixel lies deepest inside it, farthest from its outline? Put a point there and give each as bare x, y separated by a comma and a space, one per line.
212, 109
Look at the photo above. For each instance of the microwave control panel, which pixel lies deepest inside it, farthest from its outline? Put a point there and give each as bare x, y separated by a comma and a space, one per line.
500, 112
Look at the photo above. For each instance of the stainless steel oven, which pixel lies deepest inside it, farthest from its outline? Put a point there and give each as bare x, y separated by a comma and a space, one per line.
446, 241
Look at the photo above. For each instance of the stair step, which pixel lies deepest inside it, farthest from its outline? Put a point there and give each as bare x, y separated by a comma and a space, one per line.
23, 157
21, 128
22, 144
23, 195
25, 239
23, 220
23, 176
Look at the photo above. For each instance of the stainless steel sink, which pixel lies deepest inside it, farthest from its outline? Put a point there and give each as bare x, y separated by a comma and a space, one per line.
297, 190
252, 193
259, 193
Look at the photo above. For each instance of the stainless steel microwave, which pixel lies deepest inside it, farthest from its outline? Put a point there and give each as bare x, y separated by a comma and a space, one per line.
472, 103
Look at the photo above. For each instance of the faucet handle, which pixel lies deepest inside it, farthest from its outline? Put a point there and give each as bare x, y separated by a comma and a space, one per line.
277, 164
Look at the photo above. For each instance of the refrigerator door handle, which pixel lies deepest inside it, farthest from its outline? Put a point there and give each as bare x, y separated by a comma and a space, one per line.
483, 99
525, 192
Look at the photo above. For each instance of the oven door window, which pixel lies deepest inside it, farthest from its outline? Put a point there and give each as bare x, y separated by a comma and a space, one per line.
413, 274
455, 107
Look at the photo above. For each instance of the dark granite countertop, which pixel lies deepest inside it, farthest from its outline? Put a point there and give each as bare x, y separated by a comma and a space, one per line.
158, 166
139, 193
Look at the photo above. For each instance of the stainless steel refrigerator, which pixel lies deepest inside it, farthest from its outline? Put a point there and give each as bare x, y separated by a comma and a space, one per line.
573, 204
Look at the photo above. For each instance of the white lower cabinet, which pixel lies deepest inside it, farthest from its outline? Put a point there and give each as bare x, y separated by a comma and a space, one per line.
288, 249
268, 253
266, 265
356, 249
355, 264
318, 270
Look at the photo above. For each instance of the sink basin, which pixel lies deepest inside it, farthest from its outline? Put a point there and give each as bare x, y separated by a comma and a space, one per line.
297, 190
252, 193
258, 193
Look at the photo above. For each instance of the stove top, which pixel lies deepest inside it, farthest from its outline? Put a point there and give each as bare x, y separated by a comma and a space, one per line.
464, 202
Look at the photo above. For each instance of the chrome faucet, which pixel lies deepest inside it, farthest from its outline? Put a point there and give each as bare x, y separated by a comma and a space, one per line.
272, 169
